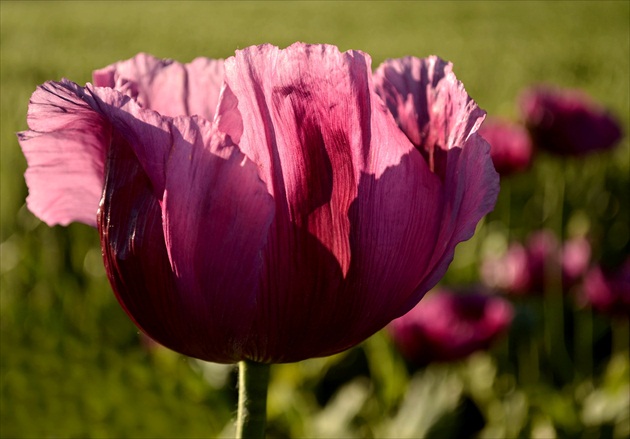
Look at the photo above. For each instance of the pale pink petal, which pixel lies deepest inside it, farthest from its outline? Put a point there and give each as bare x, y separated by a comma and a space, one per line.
148, 133
65, 150
576, 257
508, 272
228, 119
166, 86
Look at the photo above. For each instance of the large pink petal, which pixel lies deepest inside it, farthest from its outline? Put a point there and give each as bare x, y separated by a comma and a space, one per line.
356, 206
65, 150
166, 86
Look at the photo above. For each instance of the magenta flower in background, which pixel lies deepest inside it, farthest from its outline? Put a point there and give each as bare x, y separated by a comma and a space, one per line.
510, 146
575, 260
608, 291
526, 269
448, 326
267, 207
508, 272
567, 121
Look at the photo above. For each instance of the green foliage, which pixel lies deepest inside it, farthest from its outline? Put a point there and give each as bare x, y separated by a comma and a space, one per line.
72, 363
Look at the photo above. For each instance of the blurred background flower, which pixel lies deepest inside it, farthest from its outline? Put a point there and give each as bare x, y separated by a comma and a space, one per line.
511, 147
449, 326
529, 268
568, 121
607, 289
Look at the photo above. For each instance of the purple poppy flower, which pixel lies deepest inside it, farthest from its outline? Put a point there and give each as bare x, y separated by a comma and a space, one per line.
510, 146
448, 326
566, 121
525, 269
267, 207
608, 291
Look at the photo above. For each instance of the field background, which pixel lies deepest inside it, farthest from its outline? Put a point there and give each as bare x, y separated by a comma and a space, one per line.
73, 364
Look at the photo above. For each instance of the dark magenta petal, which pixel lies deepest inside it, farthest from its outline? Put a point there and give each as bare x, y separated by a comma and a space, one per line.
216, 213
166, 86
566, 121
510, 146
139, 269
178, 182
448, 326
65, 150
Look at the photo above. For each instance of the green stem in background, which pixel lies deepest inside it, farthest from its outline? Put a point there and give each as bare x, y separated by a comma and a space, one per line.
528, 362
620, 336
583, 334
253, 381
553, 300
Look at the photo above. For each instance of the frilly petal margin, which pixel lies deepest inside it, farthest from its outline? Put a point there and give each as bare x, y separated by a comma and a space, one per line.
433, 109
166, 86
429, 104
65, 150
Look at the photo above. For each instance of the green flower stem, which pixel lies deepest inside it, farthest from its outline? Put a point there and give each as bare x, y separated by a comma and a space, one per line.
253, 380
553, 210
620, 336
583, 341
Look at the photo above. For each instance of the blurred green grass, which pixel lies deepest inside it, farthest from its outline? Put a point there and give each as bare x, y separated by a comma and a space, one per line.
72, 363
